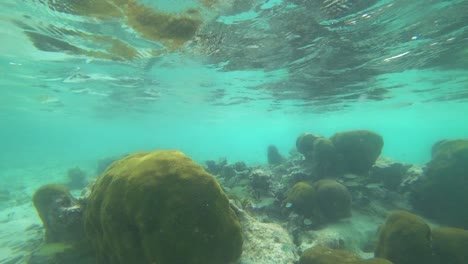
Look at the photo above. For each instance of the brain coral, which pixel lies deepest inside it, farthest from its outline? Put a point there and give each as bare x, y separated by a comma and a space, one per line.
442, 193
357, 149
404, 239
161, 207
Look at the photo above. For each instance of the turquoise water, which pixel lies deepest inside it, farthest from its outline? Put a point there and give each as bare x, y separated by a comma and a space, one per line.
60, 106
254, 73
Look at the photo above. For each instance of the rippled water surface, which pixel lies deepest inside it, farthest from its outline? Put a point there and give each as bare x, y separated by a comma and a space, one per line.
85, 82
125, 74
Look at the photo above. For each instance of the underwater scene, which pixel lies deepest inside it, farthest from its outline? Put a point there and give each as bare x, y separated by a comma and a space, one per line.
234, 132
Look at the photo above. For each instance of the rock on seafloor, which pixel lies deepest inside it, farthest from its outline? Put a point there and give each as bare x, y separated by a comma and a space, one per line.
264, 242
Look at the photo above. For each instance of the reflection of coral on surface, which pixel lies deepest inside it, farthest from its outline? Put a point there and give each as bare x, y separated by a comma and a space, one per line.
172, 30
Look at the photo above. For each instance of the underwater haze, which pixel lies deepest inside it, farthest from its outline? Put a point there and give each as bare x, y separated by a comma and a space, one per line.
85, 81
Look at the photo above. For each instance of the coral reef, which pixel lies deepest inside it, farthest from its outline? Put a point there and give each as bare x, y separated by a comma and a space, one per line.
345, 152
214, 167
61, 214
391, 174
305, 145
404, 239
357, 150
323, 201
260, 182
301, 198
333, 200
441, 194
161, 207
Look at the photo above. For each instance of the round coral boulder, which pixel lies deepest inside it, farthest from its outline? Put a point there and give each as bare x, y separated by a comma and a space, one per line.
333, 200
442, 193
305, 144
449, 245
301, 199
324, 160
323, 201
357, 150
161, 207
405, 238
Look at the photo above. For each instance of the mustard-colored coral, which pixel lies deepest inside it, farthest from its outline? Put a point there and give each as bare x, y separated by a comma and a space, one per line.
441, 194
161, 207
324, 201
324, 255
333, 200
90, 8
405, 238
305, 144
172, 30
301, 198
357, 150
450, 245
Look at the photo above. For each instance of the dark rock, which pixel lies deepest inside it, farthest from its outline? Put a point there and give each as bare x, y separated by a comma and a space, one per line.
273, 155
215, 168
389, 173
305, 144
260, 181
240, 166
76, 178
